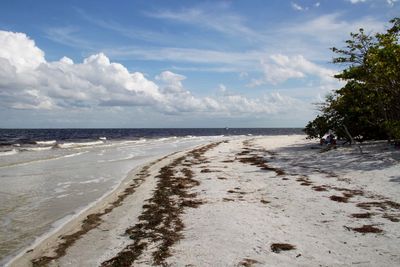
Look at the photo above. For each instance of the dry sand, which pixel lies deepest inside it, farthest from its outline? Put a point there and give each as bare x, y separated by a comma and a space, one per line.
265, 201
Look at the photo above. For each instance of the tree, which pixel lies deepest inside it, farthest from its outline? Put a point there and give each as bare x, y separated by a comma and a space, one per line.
368, 105
317, 128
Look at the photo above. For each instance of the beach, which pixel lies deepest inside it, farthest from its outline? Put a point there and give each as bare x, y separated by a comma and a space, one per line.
244, 201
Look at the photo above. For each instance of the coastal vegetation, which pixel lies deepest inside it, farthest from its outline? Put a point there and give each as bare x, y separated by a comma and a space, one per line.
367, 107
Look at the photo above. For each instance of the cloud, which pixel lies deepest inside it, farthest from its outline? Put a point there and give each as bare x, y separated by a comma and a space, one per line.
216, 18
28, 81
179, 100
227, 61
297, 7
391, 2
356, 1
331, 29
130, 31
217, 69
68, 36
311, 37
170, 77
279, 68
20, 51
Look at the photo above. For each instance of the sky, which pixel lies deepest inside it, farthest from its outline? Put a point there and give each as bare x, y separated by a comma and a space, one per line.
158, 64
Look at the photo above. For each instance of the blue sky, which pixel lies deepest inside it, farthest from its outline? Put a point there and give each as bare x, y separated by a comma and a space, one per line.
173, 63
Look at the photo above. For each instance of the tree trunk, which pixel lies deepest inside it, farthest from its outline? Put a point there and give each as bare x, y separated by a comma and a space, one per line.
351, 138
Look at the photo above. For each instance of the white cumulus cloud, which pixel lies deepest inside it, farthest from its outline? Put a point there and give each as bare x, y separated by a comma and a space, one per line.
28, 81
20, 51
279, 68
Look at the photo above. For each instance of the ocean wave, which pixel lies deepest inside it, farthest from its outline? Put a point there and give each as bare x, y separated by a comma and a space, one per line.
8, 152
98, 180
37, 148
166, 138
130, 157
79, 144
129, 142
73, 155
63, 195
46, 143
13, 164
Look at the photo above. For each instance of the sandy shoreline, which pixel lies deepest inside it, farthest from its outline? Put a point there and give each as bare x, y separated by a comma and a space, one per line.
252, 202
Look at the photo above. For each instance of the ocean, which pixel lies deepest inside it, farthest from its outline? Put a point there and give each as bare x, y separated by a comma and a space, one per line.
48, 176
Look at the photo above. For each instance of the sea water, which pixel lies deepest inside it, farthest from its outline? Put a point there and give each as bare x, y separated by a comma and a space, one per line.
48, 176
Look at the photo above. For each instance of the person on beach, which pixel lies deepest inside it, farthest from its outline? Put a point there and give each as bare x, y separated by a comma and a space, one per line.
332, 140
328, 139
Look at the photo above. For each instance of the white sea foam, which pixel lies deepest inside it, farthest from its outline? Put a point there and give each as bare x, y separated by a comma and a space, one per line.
8, 152
46, 143
98, 180
129, 157
41, 160
73, 155
140, 141
64, 183
36, 148
63, 195
81, 144
133, 142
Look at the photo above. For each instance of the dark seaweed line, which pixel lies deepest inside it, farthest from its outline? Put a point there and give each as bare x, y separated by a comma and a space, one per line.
160, 221
258, 161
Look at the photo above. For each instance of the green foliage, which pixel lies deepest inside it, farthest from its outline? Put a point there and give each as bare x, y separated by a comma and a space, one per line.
317, 128
393, 127
369, 104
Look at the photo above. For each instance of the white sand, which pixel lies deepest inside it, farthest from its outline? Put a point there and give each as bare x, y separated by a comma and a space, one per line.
247, 209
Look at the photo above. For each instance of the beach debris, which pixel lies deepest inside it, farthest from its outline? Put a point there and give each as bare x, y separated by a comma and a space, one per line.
319, 188
278, 247
339, 199
260, 162
382, 205
248, 262
392, 217
208, 170
367, 229
304, 181
361, 215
